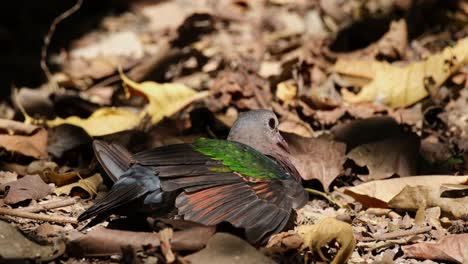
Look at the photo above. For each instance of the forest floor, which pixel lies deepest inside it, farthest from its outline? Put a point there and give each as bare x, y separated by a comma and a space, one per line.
372, 97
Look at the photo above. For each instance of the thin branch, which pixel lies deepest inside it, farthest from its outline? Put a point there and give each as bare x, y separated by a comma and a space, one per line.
40, 217
399, 233
48, 37
49, 205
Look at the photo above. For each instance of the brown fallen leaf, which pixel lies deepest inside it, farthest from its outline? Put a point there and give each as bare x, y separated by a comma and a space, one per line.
385, 158
28, 187
86, 187
106, 242
317, 158
14, 246
379, 193
412, 198
452, 248
25, 139
228, 249
325, 231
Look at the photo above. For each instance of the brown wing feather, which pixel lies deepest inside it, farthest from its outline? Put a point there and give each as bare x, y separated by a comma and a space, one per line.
259, 207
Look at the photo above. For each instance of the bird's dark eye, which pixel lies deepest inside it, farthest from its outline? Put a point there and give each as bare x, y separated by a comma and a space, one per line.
272, 123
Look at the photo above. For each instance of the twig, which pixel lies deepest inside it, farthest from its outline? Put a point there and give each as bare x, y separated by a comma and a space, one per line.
49, 35
40, 217
325, 196
397, 234
46, 206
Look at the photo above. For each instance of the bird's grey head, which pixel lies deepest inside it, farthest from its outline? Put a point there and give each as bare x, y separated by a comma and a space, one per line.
259, 129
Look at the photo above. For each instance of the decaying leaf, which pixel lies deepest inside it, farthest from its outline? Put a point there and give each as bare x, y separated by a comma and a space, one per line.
452, 248
14, 246
403, 86
379, 193
317, 158
6, 177
228, 249
106, 120
28, 187
165, 99
411, 198
28, 140
385, 158
328, 230
88, 186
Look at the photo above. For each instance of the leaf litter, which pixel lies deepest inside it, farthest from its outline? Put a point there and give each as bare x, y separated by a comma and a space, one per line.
375, 116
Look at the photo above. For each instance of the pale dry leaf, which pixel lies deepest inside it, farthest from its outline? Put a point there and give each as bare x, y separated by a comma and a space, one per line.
403, 86
379, 193
88, 185
385, 158
286, 91
411, 198
451, 248
165, 99
327, 230
7, 177
104, 121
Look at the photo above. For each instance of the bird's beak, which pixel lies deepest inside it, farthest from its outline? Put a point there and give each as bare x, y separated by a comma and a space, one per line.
282, 143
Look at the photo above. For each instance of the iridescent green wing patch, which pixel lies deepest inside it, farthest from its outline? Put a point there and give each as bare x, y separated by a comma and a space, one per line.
240, 158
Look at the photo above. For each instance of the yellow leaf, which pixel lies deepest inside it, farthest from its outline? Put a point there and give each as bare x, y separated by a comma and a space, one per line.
403, 86
327, 230
106, 120
89, 185
286, 91
164, 99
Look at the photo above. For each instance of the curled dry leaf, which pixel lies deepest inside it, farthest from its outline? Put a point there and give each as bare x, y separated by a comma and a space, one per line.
452, 248
326, 231
419, 77
317, 158
379, 193
414, 197
86, 187
28, 187
25, 139
164, 100
14, 246
228, 249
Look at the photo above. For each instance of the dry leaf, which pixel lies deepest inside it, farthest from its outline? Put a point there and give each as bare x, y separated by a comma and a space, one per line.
317, 158
403, 86
88, 185
23, 138
452, 248
165, 99
28, 187
379, 193
104, 121
411, 198
6, 177
327, 230
228, 249
14, 247
385, 158
286, 91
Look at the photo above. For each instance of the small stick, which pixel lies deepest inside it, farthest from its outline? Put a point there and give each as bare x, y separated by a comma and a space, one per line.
40, 217
46, 206
399, 233
325, 196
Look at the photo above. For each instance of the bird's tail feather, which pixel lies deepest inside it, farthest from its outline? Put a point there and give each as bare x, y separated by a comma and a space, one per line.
114, 158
